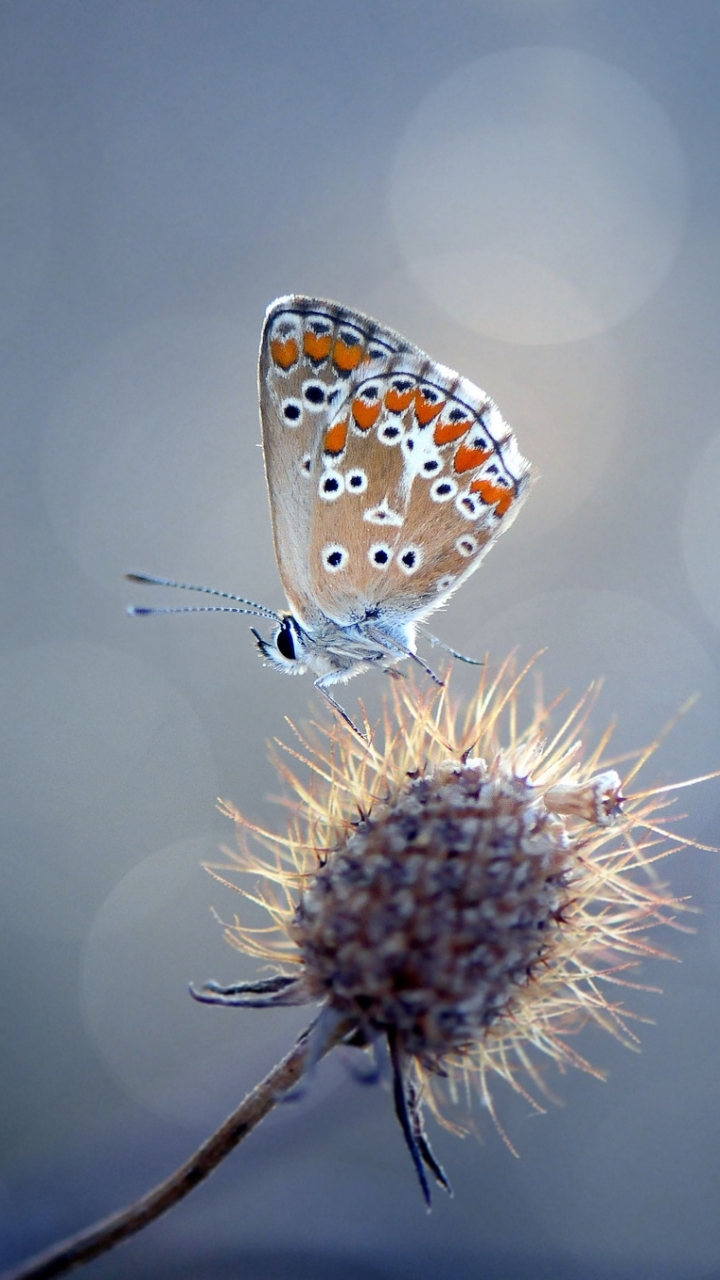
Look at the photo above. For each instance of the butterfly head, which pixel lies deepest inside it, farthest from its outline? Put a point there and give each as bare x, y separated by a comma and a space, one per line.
288, 647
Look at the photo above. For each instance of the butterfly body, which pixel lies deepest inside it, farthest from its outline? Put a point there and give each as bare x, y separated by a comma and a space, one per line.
335, 653
389, 477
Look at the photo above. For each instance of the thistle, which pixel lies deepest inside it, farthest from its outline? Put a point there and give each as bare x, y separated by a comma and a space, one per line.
458, 897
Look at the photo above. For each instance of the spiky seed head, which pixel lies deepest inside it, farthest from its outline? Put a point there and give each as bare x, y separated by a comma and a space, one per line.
438, 907
461, 887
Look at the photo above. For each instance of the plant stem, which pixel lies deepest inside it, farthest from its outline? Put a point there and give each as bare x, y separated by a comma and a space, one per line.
104, 1235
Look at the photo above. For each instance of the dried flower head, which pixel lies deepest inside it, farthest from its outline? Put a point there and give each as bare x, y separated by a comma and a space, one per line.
459, 890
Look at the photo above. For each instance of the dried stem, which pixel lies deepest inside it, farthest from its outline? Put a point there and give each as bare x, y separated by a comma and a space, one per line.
86, 1245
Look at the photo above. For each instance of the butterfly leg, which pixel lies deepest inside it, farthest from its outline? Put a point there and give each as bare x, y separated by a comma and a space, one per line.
474, 662
340, 710
402, 649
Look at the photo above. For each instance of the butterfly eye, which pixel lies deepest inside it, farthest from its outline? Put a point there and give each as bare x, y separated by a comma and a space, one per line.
285, 643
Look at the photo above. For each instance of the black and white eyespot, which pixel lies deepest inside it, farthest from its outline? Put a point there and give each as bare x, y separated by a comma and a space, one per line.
292, 412
332, 395
380, 555
458, 414
314, 395
377, 352
431, 465
468, 506
409, 559
334, 557
286, 328
306, 464
332, 486
444, 584
356, 481
389, 433
466, 545
443, 489
431, 395
370, 392
350, 337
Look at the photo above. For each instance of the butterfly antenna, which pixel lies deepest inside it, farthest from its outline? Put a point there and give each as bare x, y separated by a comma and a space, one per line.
258, 610
139, 611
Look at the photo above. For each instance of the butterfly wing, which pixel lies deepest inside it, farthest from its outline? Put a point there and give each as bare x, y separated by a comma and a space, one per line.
416, 477
310, 354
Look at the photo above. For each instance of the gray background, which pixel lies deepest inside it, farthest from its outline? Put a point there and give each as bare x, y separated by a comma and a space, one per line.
529, 189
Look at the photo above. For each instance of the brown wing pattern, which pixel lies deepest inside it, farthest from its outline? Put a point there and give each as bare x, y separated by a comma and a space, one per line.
416, 477
311, 353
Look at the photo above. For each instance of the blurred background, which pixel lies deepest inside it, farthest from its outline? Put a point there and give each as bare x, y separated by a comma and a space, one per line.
530, 191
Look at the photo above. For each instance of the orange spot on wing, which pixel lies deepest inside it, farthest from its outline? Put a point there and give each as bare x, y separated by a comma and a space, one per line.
336, 437
447, 431
468, 458
347, 357
317, 345
426, 410
493, 495
398, 401
365, 415
284, 353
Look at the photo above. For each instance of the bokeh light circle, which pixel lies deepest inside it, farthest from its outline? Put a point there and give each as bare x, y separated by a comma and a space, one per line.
94, 742
152, 935
539, 195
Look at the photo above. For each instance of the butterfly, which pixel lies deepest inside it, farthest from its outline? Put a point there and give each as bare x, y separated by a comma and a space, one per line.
389, 478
